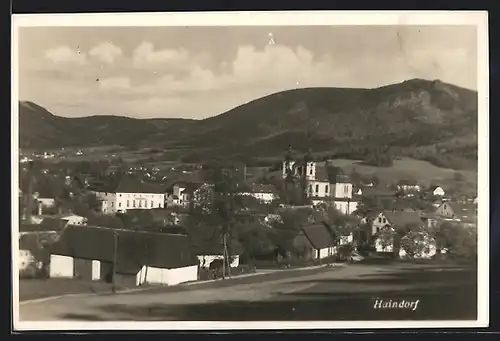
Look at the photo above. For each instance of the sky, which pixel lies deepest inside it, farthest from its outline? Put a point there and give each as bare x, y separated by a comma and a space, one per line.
199, 72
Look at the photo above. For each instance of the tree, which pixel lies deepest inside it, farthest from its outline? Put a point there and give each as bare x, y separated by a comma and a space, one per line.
226, 201
417, 244
456, 239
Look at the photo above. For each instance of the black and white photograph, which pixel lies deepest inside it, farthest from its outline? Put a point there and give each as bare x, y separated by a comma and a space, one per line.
250, 170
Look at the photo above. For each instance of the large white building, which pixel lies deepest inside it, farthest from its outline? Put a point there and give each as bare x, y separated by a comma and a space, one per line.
317, 185
130, 194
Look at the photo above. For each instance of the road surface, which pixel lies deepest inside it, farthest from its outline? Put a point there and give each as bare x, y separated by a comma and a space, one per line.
345, 293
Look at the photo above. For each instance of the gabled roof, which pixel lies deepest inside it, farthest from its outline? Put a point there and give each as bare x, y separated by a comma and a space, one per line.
135, 249
134, 185
342, 179
407, 182
402, 218
322, 174
262, 188
53, 223
318, 235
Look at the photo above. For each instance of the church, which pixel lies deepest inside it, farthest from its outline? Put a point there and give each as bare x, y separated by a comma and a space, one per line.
317, 185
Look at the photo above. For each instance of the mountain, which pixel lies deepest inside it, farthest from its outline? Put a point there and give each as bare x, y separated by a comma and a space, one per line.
430, 119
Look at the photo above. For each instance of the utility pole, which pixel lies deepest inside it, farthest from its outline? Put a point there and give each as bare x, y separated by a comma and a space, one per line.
115, 254
224, 252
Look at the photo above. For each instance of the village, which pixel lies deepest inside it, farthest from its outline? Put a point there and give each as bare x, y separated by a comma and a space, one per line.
133, 226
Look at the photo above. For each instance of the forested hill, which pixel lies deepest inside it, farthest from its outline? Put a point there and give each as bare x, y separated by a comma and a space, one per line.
425, 119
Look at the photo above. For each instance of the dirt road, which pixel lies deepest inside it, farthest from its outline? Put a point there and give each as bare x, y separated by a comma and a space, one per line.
343, 293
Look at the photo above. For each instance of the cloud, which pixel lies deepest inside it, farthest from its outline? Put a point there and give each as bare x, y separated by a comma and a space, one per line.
106, 52
115, 83
145, 55
65, 54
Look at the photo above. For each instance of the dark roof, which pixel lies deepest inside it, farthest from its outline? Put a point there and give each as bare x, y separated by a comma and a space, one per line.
261, 188
407, 182
134, 185
403, 218
33, 242
206, 240
128, 184
41, 227
322, 173
135, 249
378, 192
342, 179
190, 187
318, 235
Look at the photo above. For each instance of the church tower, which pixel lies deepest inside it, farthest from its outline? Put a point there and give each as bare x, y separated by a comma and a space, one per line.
309, 167
288, 163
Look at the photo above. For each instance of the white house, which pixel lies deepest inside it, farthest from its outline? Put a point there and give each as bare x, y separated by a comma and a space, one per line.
74, 219
88, 252
130, 194
438, 191
399, 219
264, 193
185, 193
408, 186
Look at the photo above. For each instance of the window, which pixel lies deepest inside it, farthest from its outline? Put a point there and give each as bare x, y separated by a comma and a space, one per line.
346, 189
317, 188
128, 203
384, 220
120, 195
380, 219
310, 171
326, 189
152, 203
133, 203
310, 188
119, 204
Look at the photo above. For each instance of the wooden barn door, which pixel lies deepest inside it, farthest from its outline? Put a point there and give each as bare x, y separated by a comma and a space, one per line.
83, 269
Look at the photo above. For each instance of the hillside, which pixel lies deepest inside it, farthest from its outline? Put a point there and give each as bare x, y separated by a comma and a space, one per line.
419, 118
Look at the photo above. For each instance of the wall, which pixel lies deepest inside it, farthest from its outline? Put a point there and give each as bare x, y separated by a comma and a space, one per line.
108, 202
265, 197
324, 189
61, 266
131, 201
166, 276
326, 252
345, 207
207, 259
343, 190
379, 222
445, 210
96, 270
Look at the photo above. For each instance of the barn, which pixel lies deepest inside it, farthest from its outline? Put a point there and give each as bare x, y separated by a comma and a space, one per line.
89, 252
316, 241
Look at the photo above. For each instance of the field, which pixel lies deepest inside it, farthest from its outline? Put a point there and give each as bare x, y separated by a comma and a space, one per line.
407, 168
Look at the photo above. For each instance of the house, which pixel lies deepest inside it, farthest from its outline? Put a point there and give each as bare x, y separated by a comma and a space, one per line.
130, 194
73, 219
456, 211
261, 192
185, 193
89, 252
315, 242
207, 244
408, 186
438, 191
395, 219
